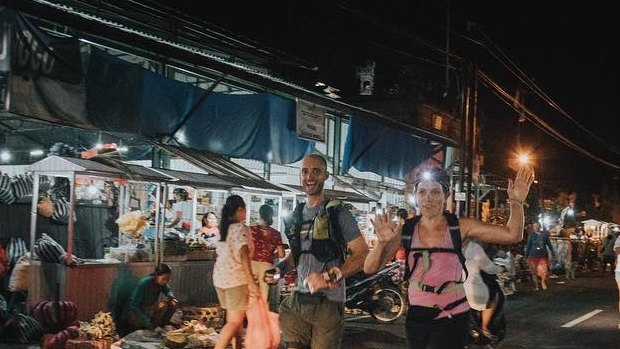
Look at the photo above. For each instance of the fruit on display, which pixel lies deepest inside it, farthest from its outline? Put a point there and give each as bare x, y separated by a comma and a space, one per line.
102, 325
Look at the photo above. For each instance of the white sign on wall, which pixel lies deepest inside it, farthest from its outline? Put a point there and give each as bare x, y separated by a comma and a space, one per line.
459, 196
310, 121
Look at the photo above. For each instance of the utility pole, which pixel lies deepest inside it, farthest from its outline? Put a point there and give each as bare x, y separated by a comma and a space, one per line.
468, 129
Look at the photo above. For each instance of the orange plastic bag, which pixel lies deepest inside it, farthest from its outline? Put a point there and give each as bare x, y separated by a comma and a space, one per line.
263, 331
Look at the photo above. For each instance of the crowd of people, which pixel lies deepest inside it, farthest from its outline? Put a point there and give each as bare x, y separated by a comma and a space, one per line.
452, 264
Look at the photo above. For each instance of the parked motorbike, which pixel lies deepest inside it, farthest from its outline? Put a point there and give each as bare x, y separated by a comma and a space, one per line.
380, 294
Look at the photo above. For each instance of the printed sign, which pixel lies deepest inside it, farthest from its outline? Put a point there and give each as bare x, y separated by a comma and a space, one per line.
459, 196
310, 121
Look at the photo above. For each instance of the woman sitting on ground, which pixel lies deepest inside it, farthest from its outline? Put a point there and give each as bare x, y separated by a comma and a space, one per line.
146, 309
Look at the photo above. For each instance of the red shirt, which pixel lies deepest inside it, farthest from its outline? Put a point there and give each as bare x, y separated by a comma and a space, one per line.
265, 240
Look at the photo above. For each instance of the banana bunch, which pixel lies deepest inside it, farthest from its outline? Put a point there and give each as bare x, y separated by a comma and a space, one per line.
102, 325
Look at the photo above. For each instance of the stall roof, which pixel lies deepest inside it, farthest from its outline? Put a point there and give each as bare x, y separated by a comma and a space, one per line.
592, 222
217, 165
343, 195
196, 179
59, 164
64, 165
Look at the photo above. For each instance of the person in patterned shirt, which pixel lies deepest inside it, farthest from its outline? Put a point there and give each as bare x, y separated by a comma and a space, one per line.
266, 241
232, 273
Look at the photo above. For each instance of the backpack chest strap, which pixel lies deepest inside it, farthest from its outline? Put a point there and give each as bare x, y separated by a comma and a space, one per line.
446, 287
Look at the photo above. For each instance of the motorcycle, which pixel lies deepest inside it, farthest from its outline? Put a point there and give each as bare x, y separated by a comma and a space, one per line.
380, 295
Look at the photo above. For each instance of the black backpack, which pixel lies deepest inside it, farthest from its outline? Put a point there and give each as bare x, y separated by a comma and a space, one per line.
334, 248
455, 235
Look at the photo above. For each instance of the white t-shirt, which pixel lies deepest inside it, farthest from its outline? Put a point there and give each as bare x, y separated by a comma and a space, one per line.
617, 245
228, 270
476, 290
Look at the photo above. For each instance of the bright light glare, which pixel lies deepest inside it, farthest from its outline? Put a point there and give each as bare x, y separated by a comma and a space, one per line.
427, 176
570, 212
36, 152
524, 159
122, 149
5, 156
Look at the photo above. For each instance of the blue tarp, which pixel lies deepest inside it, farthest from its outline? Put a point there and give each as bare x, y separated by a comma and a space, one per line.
250, 126
113, 92
373, 147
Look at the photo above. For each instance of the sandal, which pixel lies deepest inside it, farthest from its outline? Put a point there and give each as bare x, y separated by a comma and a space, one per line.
488, 335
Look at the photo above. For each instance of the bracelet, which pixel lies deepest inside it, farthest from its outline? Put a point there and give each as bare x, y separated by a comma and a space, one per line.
512, 201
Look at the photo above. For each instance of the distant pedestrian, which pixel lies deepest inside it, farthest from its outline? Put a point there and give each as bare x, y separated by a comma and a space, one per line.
615, 218
537, 256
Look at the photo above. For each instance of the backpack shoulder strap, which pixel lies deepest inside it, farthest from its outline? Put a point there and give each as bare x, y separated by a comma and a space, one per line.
455, 236
406, 238
334, 208
407, 233
293, 233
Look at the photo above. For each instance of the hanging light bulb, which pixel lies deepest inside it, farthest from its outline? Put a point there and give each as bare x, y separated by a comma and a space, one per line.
5, 156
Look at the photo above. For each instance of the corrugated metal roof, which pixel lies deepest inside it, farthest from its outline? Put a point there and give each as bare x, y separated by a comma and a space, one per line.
196, 179
222, 168
96, 25
59, 164
66, 165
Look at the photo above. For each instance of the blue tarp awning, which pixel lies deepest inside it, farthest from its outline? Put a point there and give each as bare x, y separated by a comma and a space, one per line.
373, 147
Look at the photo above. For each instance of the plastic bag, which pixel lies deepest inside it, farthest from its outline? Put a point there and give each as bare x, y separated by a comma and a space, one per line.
20, 276
263, 331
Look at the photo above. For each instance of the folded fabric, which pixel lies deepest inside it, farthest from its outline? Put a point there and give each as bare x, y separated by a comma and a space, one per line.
22, 185
48, 249
6, 191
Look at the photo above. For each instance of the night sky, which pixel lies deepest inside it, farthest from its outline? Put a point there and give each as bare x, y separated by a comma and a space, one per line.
565, 47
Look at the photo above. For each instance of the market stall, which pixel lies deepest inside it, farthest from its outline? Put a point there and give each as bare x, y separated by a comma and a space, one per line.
91, 196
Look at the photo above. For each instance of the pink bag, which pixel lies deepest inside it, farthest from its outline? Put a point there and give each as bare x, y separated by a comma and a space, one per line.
263, 331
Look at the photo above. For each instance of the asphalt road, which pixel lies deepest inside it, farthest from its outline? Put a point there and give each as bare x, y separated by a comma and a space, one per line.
535, 318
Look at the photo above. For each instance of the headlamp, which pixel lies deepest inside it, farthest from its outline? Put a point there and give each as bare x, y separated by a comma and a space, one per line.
435, 174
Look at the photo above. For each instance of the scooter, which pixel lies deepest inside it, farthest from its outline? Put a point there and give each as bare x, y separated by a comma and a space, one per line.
380, 294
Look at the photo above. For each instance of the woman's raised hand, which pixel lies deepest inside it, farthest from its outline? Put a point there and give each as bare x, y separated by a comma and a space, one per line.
383, 227
520, 186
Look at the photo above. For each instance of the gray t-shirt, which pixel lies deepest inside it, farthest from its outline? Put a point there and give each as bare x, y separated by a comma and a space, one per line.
309, 263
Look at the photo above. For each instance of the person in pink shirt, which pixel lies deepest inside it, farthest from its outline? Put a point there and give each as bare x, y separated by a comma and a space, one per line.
266, 241
438, 316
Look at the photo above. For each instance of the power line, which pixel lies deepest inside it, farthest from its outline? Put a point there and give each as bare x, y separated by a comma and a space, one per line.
519, 74
512, 102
